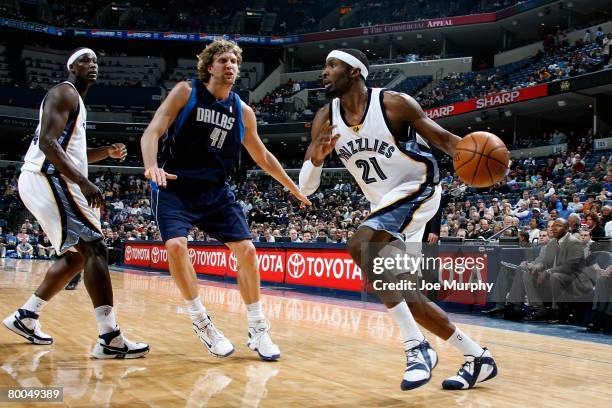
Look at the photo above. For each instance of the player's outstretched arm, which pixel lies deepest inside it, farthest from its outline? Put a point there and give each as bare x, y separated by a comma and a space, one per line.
164, 117
115, 151
405, 109
322, 142
60, 102
263, 157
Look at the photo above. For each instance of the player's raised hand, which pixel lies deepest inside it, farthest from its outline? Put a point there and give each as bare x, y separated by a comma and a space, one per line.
159, 176
118, 151
325, 141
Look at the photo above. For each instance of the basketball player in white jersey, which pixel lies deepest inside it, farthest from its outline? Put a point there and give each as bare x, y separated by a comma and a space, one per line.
54, 187
364, 126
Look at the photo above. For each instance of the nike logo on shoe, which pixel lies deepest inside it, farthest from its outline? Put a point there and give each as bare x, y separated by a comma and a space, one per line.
19, 325
123, 349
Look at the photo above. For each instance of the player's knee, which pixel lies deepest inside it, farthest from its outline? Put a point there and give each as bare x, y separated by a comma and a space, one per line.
99, 249
176, 246
247, 252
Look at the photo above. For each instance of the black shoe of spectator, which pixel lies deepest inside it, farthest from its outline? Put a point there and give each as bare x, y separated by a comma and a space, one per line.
596, 323
594, 327
497, 310
538, 315
555, 317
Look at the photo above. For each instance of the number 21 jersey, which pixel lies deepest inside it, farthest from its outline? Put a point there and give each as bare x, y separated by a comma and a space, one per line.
379, 160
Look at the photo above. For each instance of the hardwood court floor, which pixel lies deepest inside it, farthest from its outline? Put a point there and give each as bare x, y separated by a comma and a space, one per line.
333, 355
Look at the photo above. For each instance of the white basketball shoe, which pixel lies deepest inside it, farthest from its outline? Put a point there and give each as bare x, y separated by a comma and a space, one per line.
217, 344
116, 345
25, 323
421, 359
261, 342
473, 371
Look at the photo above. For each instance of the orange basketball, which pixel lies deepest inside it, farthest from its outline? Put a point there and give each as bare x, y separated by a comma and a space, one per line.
481, 159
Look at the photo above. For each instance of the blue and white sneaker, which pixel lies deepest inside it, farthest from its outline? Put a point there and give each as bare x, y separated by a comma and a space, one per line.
25, 323
421, 359
116, 345
261, 342
217, 344
473, 371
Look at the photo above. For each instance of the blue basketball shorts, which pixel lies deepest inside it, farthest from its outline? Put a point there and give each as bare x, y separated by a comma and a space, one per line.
181, 206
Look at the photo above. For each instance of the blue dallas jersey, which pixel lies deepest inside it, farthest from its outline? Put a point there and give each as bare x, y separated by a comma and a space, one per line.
205, 140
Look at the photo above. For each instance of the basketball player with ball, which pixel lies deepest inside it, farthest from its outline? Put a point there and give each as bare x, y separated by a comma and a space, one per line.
383, 139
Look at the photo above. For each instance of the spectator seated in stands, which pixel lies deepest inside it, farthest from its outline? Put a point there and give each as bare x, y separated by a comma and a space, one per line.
10, 244
45, 249
25, 249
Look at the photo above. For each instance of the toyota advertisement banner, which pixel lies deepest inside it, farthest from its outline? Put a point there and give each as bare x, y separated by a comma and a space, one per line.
271, 264
455, 280
137, 255
330, 268
333, 268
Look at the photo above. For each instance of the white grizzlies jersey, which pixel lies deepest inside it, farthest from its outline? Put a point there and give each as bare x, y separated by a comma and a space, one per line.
72, 140
379, 160
57, 202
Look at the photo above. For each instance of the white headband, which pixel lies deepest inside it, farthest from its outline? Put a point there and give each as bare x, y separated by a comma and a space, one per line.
77, 54
349, 59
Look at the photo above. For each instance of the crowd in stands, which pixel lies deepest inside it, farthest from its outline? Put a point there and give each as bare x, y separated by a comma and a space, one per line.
275, 107
534, 191
216, 16
578, 140
558, 60
272, 109
185, 16
373, 12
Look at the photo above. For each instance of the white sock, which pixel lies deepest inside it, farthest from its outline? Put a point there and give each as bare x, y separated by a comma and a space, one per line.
464, 344
196, 309
255, 313
34, 304
105, 315
410, 332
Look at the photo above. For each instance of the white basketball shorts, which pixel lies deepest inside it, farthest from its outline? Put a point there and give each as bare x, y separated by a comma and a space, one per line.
60, 208
405, 211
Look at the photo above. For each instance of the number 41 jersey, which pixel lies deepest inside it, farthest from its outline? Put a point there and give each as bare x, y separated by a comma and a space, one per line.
379, 160
205, 141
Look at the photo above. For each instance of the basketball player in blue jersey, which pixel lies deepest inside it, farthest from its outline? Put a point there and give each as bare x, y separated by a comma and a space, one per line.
54, 187
378, 135
208, 125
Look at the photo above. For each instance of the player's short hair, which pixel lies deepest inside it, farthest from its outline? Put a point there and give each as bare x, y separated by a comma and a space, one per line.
357, 54
208, 54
